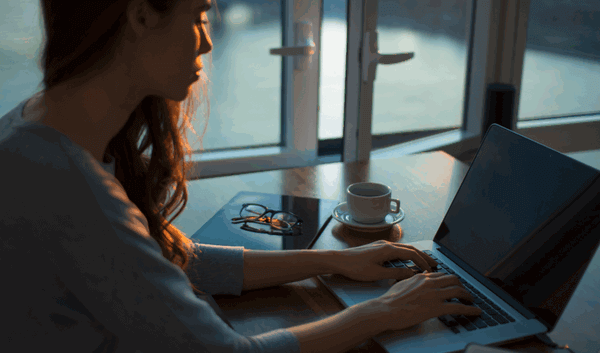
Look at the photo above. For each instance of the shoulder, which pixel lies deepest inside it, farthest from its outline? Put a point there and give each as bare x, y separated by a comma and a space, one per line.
43, 163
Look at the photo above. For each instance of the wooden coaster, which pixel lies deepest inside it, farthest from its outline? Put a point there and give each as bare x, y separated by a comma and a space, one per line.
354, 237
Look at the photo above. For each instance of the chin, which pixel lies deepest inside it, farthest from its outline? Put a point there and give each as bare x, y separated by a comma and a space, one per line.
178, 96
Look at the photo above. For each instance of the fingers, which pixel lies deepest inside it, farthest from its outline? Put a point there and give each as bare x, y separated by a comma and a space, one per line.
452, 292
416, 276
454, 307
415, 255
460, 309
426, 257
402, 273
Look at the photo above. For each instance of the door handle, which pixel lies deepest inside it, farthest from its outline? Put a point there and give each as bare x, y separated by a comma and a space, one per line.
304, 46
371, 57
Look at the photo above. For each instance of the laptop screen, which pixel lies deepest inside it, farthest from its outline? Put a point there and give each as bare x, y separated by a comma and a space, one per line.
523, 218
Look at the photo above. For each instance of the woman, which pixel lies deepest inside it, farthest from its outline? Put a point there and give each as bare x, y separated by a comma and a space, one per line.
93, 262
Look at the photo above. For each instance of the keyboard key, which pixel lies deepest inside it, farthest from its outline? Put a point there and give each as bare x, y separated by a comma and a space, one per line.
465, 301
488, 302
491, 323
492, 312
502, 312
388, 264
448, 320
445, 320
477, 321
450, 271
466, 323
461, 319
398, 263
485, 316
455, 329
500, 319
415, 269
495, 315
443, 266
484, 306
469, 326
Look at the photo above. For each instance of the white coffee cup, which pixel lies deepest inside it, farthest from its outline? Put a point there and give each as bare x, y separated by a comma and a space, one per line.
370, 202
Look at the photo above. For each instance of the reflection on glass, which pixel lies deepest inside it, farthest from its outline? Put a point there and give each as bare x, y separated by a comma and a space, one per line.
561, 68
427, 91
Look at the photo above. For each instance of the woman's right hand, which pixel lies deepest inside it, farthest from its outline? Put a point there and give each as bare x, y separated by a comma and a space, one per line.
420, 298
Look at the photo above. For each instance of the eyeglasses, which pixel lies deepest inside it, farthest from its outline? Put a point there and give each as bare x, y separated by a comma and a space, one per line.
285, 223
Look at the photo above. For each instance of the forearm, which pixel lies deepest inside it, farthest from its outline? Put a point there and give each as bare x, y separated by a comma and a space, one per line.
270, 268
340, 332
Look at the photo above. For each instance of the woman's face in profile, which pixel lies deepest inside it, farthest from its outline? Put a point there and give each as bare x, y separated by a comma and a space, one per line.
173, 52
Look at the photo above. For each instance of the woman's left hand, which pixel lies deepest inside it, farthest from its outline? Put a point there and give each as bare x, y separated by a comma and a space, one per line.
365, 263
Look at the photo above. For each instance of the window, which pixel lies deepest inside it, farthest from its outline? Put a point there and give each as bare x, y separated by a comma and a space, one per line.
268, 113
562, 60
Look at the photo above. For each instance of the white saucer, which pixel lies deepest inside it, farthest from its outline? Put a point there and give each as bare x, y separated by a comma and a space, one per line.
340, 214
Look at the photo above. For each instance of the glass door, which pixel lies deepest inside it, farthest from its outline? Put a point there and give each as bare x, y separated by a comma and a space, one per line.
426, 92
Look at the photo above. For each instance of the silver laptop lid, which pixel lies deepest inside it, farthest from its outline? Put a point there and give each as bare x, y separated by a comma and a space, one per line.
524, 222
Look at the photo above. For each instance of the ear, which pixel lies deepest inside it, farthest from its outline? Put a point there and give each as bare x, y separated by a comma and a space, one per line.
141, 17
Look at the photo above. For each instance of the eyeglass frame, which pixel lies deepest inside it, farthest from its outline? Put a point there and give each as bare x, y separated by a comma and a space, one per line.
245, 220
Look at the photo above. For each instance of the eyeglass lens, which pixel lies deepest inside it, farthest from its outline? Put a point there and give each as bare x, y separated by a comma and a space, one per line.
252, 211
281, 220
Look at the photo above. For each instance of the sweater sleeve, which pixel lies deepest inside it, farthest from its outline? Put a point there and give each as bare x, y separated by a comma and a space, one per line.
218, 269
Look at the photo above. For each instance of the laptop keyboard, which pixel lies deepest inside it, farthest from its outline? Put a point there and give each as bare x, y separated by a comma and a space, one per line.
491, 315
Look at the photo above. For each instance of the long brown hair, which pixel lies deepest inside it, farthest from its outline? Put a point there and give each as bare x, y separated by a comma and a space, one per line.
81, 37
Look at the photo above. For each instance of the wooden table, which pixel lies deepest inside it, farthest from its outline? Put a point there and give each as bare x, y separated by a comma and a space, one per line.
425, 184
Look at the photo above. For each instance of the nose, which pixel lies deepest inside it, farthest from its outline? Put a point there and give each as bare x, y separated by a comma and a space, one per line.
205, 42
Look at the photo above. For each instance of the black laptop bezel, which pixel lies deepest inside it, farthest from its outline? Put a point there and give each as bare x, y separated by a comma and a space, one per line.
493, 287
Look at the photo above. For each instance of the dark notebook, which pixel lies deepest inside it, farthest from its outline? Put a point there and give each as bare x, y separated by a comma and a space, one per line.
314, 213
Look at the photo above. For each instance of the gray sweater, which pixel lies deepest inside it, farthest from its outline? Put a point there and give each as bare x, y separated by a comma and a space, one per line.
81, 271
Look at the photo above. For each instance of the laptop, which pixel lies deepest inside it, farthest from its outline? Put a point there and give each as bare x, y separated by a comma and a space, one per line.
519, 233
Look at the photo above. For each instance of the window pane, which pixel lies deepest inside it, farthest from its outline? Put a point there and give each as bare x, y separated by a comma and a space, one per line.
561, 68
427, 91
332, 73
20, 42
245, 88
